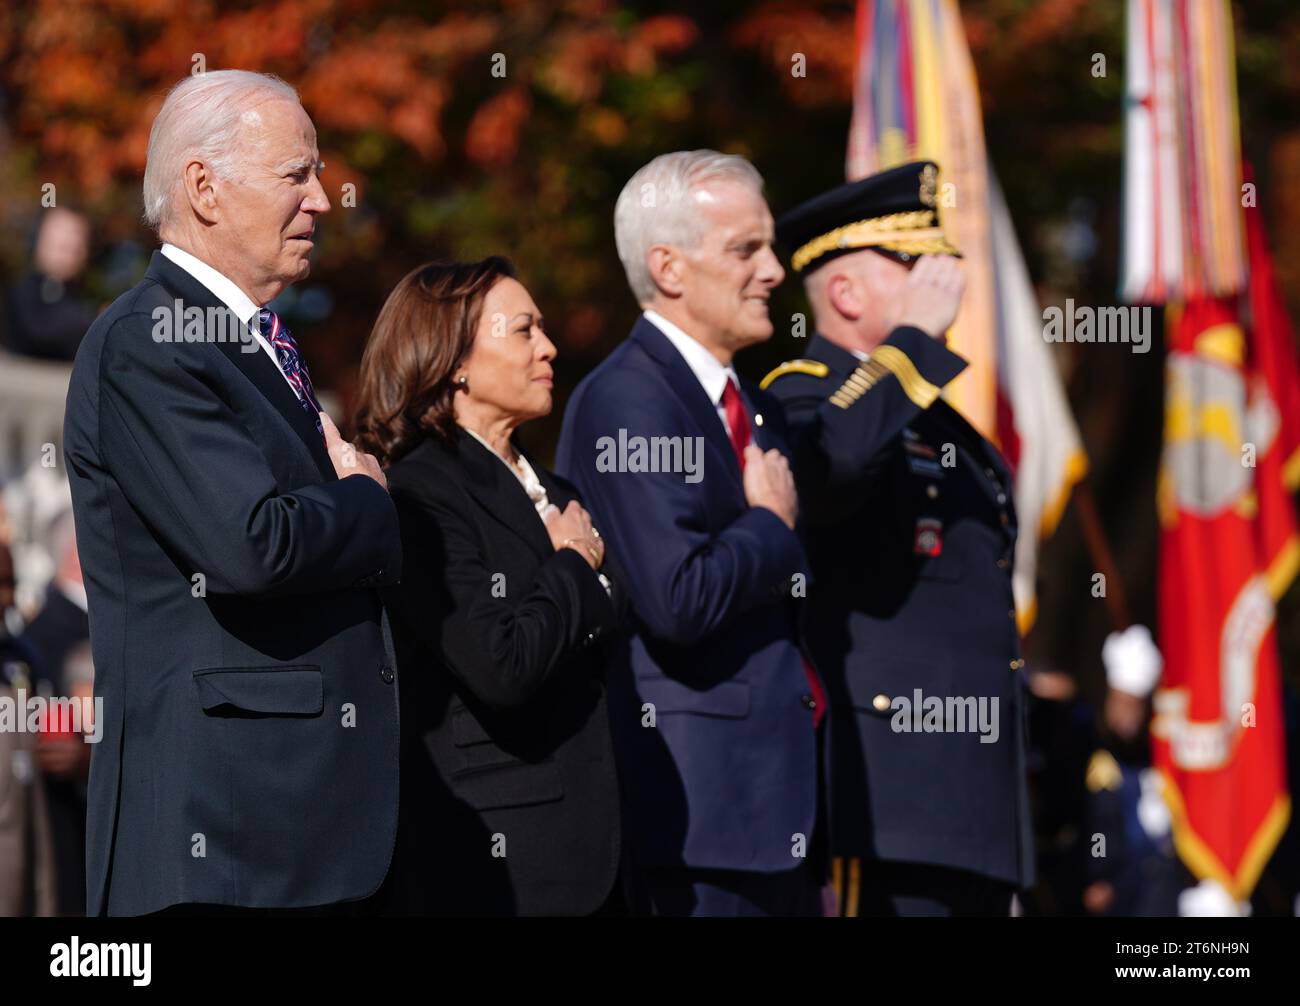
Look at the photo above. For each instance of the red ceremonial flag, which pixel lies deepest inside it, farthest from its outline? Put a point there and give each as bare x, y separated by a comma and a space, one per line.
1228, 550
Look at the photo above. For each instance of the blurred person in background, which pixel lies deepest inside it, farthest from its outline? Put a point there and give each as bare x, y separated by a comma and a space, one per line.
27, 870
61, 622
8, 588
1133, 869
64, 755
504, 620
59, 636
46, 312
1059, 739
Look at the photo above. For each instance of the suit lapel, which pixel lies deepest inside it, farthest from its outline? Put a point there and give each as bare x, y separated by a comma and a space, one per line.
248, 357
490, 482
686, 386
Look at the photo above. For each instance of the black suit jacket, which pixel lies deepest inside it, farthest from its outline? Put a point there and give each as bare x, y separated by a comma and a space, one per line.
249, 751
510, 796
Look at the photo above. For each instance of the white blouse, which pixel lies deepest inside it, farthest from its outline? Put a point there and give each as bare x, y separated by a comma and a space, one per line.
532, 486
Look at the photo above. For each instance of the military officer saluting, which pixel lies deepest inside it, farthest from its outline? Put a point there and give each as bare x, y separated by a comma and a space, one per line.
910, 532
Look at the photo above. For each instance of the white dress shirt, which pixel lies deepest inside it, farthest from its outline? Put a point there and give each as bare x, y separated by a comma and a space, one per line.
706, 367
226, 291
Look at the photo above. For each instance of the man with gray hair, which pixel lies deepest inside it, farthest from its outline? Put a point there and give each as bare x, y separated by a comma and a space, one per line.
716, 721
231, 545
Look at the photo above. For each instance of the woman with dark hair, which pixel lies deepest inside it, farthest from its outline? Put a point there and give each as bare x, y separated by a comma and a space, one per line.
503, 617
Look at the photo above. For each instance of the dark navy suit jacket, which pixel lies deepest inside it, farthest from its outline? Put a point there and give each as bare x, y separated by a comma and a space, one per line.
713, 722
249, 751
911, 528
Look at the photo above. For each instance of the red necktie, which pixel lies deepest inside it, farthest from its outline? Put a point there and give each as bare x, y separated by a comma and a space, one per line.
737, 420
738, 429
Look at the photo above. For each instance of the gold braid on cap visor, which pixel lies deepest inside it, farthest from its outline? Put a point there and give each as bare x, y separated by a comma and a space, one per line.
913, 232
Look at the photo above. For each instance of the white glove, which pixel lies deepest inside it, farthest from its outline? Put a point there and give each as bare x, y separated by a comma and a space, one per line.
1133, 664
1210, 899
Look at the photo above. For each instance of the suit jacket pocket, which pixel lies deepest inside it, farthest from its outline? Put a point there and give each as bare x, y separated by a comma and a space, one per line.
512, 784
466, 730
487, 777
729, 699
278, 690
475, 748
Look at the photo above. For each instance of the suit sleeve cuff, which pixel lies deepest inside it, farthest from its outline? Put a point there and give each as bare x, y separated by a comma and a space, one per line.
921, 364
787, 555
379, 506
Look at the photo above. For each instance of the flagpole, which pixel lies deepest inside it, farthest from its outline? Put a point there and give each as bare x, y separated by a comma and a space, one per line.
1103, 559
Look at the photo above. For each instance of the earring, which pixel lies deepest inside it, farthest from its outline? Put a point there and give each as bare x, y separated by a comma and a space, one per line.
463, 382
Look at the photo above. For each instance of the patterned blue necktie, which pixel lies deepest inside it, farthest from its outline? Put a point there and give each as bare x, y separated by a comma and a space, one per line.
286, 351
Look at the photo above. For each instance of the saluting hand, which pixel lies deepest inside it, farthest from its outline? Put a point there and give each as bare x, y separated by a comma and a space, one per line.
769, 483
932, 295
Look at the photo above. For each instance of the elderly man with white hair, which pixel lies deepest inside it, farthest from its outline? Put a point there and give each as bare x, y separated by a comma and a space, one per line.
232, 545
682, 464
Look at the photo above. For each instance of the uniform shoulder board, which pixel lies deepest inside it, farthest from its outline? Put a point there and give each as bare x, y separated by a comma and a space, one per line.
810, 367
1103, 772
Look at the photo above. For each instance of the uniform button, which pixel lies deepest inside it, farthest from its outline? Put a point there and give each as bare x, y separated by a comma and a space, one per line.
1006, 521
932, 491
881, 702
758, 419
1011, 613
386, 673
1003, 564
1018, 663
1002, 497
990, 473
808, 701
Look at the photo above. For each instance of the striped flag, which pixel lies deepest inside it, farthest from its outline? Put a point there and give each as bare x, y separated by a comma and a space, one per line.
1182, 223
916, 97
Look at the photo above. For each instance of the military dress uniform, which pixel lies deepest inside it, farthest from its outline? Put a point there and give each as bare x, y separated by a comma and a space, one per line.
910, 530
